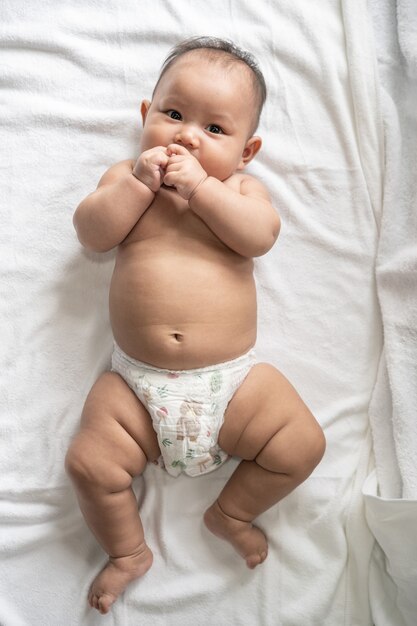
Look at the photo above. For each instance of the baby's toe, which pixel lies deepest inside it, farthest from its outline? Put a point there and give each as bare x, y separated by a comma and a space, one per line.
256, 559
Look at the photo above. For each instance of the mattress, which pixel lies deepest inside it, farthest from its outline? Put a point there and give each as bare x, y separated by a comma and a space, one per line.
336, 300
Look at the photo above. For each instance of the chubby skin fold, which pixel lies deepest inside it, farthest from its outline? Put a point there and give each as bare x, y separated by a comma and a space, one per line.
187, 221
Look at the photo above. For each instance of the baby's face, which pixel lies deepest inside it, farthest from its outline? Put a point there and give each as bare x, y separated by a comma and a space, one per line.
206, 108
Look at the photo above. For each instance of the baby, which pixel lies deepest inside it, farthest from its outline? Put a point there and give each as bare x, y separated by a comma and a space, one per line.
184, 382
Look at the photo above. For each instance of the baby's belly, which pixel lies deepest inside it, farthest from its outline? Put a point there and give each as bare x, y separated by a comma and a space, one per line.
179, 310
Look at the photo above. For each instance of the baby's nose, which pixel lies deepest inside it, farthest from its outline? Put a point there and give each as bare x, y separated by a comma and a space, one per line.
187, 137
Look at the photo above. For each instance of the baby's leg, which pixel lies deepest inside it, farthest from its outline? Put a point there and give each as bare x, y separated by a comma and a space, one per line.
114, 444
269, 427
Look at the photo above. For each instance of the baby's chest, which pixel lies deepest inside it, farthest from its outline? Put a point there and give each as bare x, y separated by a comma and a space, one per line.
170, 216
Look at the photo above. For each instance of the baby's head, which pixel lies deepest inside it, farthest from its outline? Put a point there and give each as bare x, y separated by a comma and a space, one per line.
208, 98
229, 56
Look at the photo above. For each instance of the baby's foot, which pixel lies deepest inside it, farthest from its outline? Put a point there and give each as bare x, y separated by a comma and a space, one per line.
248, 540
116, 575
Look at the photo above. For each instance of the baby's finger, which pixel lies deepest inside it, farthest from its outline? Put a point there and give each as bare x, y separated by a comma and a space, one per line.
169, 179
175, 148
170, 175
160, 158
176, 159
162, 164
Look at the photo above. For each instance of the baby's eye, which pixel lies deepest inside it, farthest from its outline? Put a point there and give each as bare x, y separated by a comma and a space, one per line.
174, 115
213, 128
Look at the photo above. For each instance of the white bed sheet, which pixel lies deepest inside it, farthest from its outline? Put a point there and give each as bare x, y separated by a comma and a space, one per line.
73, 75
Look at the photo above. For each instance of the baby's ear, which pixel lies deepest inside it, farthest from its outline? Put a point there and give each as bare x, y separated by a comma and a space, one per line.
144, 108
252, 147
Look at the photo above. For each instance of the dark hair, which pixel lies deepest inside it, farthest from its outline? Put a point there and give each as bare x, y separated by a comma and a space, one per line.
230, 53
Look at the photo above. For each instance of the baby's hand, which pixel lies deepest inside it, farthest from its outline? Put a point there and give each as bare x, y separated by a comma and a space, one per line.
150, 167
183, 171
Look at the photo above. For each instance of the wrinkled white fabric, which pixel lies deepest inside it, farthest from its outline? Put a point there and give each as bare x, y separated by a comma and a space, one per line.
72, 78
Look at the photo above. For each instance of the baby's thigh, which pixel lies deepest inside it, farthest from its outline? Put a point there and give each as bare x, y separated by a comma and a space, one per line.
266, 407
115, 427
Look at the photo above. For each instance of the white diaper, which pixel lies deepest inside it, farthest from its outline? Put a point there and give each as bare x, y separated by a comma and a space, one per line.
187, 407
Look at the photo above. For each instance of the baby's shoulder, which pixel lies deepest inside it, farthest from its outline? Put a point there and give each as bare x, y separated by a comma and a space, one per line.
246, 184
116, 171
236, 179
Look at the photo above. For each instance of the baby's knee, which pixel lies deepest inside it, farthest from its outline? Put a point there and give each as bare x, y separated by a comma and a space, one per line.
312, 449
79, 463
296, 449
88, 469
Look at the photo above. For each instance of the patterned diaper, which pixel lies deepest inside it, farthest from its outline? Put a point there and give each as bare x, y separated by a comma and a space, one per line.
187, 407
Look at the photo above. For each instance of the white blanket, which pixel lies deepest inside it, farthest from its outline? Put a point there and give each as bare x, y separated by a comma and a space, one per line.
72, 77
391, 494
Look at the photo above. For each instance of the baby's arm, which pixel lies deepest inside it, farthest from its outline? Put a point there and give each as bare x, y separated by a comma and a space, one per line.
106, 216
239, 213
244, 220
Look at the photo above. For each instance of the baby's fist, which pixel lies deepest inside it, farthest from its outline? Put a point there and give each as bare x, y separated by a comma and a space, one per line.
150, 167
184, 172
